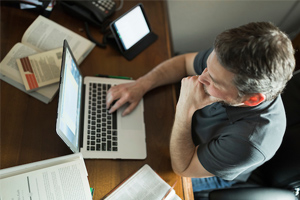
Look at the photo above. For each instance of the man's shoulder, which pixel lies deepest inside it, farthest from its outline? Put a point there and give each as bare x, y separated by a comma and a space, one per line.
265, 127
200, 60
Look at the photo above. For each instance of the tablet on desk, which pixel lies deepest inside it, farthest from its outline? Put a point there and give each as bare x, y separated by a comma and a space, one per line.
132, 32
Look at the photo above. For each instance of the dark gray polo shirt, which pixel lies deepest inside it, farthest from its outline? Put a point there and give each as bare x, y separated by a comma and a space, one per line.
233, 141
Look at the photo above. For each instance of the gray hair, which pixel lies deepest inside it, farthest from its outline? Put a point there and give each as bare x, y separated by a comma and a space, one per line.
260, 55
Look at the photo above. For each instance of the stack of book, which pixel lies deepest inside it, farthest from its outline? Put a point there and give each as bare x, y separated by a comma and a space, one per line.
43, 39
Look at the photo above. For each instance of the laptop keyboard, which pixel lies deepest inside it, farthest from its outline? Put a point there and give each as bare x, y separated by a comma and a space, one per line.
102, 126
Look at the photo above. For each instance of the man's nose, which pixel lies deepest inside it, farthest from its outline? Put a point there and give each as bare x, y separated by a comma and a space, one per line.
204, 78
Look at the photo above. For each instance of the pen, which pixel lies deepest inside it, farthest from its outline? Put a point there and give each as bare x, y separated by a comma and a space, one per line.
109, 76
168, 192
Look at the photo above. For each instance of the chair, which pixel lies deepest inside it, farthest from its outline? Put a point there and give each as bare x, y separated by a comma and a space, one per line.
279, 178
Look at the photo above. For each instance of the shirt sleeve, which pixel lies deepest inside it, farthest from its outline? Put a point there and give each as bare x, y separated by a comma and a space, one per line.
200, 60
228, 157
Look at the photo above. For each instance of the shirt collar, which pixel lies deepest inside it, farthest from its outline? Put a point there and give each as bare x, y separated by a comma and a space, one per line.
236, 113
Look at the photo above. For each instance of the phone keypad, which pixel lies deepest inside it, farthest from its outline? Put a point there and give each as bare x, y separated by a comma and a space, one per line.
104, 5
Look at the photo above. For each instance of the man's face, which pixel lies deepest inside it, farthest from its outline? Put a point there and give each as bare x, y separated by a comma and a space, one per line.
218, 82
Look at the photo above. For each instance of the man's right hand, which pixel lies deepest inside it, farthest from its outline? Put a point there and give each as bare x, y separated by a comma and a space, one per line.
130, 93
192, 97
167, 72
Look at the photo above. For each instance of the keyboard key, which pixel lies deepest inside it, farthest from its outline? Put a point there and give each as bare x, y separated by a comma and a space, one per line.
98, 147
108, 145
114, 120
103, 147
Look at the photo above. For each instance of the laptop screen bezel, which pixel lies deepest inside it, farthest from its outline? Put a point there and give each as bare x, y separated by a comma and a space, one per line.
62, 135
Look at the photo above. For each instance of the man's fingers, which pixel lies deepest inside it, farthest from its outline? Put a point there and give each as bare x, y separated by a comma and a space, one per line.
117, 105
129, 109
111, 97
119, 95
109, 100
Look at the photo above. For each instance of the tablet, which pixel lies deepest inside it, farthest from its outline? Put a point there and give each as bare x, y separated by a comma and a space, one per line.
132, 32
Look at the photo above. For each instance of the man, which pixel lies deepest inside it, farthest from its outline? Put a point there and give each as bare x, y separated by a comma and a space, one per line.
229, 119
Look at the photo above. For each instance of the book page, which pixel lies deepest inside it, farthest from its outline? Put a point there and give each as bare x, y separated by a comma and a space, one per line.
172, 196
46, 35
41, 69
9, 68
143, 185
66, 181
8, 65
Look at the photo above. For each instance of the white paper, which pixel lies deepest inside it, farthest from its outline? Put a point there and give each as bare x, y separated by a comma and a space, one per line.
143, 185
66, 181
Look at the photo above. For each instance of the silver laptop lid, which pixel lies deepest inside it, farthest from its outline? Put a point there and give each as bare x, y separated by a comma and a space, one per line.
69, 104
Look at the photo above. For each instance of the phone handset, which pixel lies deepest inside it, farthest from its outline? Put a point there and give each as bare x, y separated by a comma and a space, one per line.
101, 9
95, 12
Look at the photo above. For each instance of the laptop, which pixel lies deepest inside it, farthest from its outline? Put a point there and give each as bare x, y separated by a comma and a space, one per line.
83, 122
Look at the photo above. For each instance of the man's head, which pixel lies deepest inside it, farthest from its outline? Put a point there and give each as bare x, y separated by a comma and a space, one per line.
260, 56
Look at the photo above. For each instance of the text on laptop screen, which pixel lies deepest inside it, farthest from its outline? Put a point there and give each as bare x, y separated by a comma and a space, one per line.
70, 103
132, 27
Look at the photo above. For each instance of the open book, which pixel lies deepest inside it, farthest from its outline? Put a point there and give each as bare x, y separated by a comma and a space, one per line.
42, 35
58, 178
145, 184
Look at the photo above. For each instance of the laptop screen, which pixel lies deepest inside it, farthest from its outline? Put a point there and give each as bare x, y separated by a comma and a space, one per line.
68, 121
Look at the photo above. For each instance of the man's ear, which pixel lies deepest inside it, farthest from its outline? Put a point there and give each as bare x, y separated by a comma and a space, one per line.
255, 99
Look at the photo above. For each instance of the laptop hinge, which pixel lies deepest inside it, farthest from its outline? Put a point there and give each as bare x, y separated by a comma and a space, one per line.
81, 121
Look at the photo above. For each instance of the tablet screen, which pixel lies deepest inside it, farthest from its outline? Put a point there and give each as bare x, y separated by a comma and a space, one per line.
131, 27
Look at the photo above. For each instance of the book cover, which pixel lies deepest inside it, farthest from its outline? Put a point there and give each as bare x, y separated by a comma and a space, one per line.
41, 69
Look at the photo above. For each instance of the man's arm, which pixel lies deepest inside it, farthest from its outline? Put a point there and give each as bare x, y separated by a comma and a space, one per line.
183, 152
169, 71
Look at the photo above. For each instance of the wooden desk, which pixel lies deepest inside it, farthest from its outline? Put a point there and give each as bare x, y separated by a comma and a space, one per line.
28, 125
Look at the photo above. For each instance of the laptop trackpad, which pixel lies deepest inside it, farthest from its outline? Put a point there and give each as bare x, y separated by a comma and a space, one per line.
132, 121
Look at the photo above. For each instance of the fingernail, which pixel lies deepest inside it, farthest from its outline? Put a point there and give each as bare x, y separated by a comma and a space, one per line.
125, 113
108, 99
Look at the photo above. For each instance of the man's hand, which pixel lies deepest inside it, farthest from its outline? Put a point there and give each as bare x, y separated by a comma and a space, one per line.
167, 72
193, 96
131, 93
182, 149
